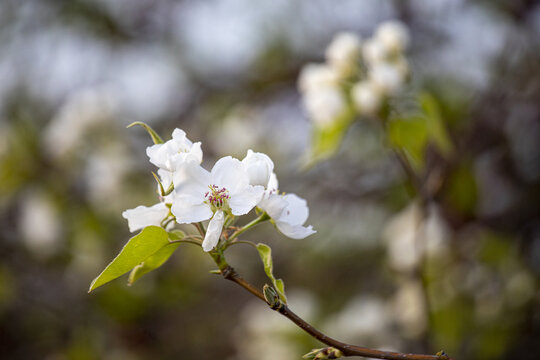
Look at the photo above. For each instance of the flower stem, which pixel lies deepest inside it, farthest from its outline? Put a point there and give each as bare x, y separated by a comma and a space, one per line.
348, 350
264, 216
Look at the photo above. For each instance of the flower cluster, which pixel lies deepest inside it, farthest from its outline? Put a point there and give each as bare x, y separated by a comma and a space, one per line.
366, 72
231, 188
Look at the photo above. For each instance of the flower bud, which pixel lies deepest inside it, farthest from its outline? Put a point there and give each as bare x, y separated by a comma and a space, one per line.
388, 78
374, 51
315, 76
325, 105
323, 354
393, 35
366, 97
259, 167
271, 296
343, 52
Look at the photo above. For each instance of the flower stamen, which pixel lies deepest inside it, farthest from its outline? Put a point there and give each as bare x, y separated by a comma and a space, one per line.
217, 197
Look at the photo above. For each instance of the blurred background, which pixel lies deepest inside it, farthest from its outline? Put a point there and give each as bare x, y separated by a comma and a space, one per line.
459, 274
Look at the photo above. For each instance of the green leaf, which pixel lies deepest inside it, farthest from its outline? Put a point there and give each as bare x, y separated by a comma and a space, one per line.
153, 134
139, 248
265, 252
410, 134
435, 124
152, 262
325, 141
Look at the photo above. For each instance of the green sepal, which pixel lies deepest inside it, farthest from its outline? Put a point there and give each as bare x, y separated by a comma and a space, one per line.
153, 134
139, 248
265, 252
162, 191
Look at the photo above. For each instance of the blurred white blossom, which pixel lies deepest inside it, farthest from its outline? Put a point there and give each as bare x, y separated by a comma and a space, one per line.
82, 111
387, 77
316, 76
410, 309
410, 235
393, 35
374, 51
343, 52
325, 105
40, 225
366, 97
366, 320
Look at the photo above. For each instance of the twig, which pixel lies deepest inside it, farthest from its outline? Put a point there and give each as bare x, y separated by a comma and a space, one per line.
348, 350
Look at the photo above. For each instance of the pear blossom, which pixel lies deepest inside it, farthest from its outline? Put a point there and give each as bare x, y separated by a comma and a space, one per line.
374, 51
367, 97
259, 167
387, 77
143, 216
314, 76
202, 195
393, 35
173, 153
325, 105
289, 213
343, 52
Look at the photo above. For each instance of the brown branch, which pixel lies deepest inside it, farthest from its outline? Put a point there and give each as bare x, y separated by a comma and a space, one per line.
348, 350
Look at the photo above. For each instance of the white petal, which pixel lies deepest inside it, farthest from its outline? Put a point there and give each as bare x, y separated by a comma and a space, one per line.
179, 136
166, 177
156, 155
230, 173
196, 151
243, 201
143, 216
191, 182
215, 226
273, 183
187, 213
273, 205
259, 167
294, 231
297, 212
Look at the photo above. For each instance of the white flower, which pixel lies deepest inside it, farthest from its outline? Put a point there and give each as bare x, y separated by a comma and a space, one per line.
143, 216
393, 35
201, 195
388, 77
259, 167
324, 105
343, 52
289, 213
173, 153
366, 97
374, 51
314, 76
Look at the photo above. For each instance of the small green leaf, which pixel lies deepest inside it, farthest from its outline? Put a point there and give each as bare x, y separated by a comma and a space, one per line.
411, 135
265, 252
435, 124
152, 262
154, 135
139, 248
325, 142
